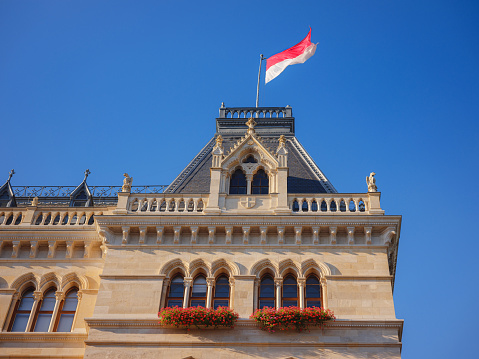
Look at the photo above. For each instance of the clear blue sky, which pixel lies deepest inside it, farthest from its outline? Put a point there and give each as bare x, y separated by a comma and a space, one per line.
135, 86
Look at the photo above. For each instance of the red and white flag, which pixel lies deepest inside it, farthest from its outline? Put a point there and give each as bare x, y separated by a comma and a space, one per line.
297, 54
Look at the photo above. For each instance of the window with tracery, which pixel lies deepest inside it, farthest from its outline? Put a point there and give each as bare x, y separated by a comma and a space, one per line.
198, 292
260, 184
238, 182
266, 292
44, 315
22, 311
290, 292
313, 291
176, 292
67, 310
222, 292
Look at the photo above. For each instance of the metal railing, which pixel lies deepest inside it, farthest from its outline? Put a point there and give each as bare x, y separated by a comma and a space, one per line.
64, 191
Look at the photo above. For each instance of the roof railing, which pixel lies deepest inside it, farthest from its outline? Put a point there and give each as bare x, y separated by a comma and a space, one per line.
256, 112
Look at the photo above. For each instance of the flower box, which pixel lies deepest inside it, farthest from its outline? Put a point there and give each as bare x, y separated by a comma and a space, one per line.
272, 320
198, 317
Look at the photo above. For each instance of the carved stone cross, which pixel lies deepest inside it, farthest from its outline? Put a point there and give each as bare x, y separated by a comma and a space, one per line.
248, 202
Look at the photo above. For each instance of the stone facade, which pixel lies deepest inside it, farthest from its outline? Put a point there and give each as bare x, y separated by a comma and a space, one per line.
121, 261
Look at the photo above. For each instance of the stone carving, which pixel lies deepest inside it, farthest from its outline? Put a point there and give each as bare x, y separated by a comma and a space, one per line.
250, 123
248, 202
219, 141
35, 201
371, 181
282, 141
127, 183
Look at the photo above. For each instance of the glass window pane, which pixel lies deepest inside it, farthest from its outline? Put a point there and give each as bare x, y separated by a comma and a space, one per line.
222, 291
220, 303
266, 291
313, 303
266, 303
65, 324
290, 291
26, 303
289, 280
312, 280
176, 290
313, 291
290, 303
198, 303
20, 323
267, 280
70, 303
222, 280
199, 287
43, 322
175, 303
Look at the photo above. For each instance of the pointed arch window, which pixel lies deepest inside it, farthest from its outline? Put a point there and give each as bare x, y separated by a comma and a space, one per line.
198, 292
313, 291
80, 199
22, 311
260, 184
250, 159
290, 292
238, 182
176, 292
222, 292
266, 292
66, 314
45, 314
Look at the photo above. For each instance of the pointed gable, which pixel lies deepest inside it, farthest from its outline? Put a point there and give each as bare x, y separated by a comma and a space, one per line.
81, 196
7, 197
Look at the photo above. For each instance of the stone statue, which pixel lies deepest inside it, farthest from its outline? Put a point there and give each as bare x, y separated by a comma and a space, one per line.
282, 141
371, 181
127, 183
35, 201
219, 141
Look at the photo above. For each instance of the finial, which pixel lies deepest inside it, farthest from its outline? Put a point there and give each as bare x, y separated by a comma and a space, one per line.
282, 140
222, 105
219, 141
87, 172
12, 172
251, 123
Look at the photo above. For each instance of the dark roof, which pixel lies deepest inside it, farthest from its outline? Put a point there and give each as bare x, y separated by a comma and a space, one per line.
304, 174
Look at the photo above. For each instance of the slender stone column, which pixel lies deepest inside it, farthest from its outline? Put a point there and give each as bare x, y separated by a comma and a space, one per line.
37, 298
278, 282
301, 287
256, 294
232, 292
59, 297
210, 282
188, 282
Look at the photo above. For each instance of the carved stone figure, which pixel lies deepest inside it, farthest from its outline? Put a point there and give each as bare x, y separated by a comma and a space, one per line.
250, 123
219, 141
371, 181
282, 141
35, 201
127, 183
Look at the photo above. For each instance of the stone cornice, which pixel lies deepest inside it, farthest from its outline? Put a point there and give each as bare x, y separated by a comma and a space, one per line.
133, 276
242, 246
42, 337
359, 277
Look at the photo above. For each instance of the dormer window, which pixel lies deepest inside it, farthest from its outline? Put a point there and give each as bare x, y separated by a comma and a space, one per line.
260, 184
238, 182
80, 199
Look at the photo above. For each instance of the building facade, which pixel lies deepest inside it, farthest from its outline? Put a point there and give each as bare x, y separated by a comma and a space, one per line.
250, 222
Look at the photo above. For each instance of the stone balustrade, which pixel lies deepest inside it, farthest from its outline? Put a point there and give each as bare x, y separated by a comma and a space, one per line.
167, 204
257, 112
11, 216
335, 203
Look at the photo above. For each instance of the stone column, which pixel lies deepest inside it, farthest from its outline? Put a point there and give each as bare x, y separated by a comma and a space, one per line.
164, 289
278, 282
249, 179
59, 297
37, 298
188, 282
210, 282
324, 292
301, 287
232, 286
256, 294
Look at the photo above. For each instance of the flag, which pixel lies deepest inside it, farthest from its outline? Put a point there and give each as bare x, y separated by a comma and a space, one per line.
297, 54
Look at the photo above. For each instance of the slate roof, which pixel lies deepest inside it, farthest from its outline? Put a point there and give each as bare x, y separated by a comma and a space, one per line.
304, 175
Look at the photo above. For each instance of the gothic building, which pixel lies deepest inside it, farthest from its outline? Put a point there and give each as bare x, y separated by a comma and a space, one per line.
250, 222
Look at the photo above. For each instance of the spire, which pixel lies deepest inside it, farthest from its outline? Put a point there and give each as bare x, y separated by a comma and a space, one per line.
7, 197
12, 172
87, 172
81, 196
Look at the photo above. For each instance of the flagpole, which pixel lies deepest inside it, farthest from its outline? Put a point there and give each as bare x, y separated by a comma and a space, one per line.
261, 58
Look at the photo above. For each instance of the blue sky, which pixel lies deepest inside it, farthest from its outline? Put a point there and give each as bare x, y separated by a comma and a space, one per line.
135, 86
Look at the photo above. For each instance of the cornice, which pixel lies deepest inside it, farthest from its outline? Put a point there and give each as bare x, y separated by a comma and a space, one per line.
53, 260
42, 337
359, 277
243, 246
133, 276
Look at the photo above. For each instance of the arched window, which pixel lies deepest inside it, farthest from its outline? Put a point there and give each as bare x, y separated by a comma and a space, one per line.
44, 315
222, 292
250, 159
238, 182
80, 199
198, 292
313, 292
290, 292
260, 184
22, 311
176, 292
266, 292
67, 310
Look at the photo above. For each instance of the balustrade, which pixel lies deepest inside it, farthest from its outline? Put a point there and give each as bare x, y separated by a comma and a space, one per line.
333, 203
167, 204
257, 112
